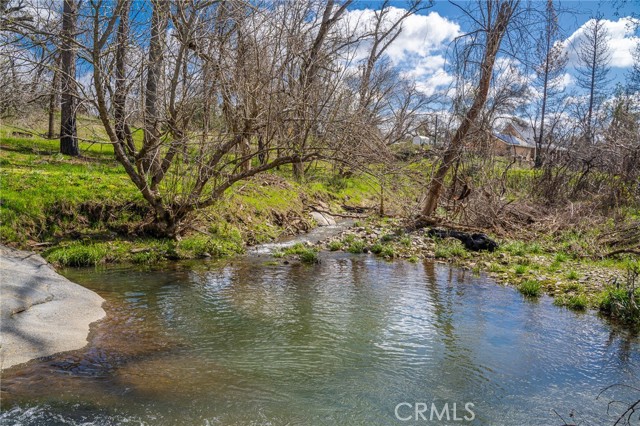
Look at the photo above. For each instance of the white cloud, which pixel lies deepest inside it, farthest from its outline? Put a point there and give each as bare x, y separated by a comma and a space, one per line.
564, 81
429, 85
425, 66
621, 45
418, 52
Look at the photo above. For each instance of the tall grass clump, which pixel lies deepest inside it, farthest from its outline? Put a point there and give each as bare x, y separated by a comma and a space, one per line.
622, 300
303, 252
530, 288
78, 254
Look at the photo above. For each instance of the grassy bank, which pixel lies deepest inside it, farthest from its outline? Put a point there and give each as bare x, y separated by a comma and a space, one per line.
85, 211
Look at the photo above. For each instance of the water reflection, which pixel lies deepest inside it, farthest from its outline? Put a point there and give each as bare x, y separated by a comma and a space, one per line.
343, 342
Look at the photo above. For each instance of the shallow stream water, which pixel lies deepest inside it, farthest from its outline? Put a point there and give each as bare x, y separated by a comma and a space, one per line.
344, 342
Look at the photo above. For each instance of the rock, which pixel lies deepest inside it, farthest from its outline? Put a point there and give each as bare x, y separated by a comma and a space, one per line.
42, 312
139, 250
323, 219
473, 242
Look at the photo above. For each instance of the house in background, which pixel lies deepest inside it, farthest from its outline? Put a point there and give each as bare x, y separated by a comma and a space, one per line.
515, 140
521, 131
511, 146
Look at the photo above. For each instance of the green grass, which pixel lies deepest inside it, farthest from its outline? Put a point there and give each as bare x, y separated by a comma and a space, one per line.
49, 197
387, 238
520, 269
388, 252
309, 256
356, 246
209, 246
621, 303
43, 191
335, 245
495, 267
561, 257
573, 287
377, 248
530, 288
576, 302
303, 252
572, 275
449, 248
78, 254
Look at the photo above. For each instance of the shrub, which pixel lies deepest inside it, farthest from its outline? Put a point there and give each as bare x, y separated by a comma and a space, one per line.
530, 288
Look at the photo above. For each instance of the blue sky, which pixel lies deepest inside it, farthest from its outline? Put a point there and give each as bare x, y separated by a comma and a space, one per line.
420, 51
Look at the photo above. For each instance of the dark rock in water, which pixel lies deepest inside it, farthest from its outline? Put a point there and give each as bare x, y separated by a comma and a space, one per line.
473, 242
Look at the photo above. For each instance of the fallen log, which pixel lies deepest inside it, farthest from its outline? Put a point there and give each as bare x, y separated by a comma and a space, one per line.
343, 215
623, 251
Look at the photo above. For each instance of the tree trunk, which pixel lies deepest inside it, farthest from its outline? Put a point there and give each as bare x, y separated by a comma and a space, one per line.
494, 38
540, 141
68, 131
591, 98
123, 132
53, 99
262, 154
298, 170
151, 139
245, 154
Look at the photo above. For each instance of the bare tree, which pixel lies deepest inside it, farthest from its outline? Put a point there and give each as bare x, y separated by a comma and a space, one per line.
314, 57
258, 67
594, 56
552, 60
634, 74
498, 14
54, 99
